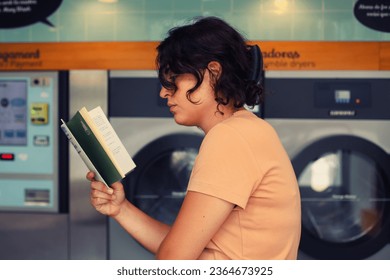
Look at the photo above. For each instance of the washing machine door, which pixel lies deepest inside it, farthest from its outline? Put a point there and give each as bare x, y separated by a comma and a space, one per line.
159, 182
344, 185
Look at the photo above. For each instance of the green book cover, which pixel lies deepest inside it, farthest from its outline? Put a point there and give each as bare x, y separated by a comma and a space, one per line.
91, 146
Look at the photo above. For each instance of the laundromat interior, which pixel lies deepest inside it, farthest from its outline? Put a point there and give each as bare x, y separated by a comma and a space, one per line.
327, 79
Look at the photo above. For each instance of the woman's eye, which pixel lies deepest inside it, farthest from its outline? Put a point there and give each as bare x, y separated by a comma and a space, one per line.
172, 78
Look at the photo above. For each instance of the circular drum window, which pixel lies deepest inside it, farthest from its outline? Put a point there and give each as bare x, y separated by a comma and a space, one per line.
344, 185
159, 182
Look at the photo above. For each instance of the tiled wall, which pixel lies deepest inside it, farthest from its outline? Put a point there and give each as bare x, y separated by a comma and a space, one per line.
149, 20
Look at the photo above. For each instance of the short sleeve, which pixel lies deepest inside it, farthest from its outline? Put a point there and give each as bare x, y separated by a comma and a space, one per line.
225, 166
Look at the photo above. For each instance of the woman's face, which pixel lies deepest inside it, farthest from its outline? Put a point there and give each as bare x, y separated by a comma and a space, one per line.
201, 111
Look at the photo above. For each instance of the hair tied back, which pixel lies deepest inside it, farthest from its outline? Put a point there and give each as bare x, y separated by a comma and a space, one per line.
256, 73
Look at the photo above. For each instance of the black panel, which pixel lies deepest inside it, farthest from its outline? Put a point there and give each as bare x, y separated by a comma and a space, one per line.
318, 98
136, 97
63, 144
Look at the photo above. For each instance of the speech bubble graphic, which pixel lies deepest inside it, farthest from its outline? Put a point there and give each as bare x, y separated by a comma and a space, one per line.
20, 13
374, 14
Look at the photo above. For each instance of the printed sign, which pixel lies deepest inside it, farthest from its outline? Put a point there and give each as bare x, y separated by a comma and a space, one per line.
286, 59
374, 14
20, 13
286, 55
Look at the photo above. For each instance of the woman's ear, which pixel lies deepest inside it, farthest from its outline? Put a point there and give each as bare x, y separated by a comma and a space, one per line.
215, 68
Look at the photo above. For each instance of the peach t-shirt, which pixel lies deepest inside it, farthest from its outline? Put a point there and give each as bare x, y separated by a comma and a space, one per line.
241, 160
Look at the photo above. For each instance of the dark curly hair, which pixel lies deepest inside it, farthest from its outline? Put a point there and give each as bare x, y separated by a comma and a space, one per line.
190, 48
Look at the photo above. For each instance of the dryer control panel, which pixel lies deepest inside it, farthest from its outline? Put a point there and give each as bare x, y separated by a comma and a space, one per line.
28, 141
335, 95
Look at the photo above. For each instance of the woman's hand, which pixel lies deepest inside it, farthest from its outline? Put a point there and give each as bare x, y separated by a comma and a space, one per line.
112, 202
107, 201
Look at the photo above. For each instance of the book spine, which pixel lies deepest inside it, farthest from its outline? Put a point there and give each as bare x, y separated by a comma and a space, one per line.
92, 147
81, 153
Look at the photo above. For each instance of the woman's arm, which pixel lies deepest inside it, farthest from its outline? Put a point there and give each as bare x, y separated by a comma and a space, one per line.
199, 219
146, 230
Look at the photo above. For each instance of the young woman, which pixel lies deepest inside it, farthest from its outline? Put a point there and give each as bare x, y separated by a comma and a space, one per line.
243, 199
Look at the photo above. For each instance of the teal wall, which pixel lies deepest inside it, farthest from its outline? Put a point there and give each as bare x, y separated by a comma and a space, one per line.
148, 20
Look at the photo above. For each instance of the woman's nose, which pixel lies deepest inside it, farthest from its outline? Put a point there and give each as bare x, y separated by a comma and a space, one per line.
164, 93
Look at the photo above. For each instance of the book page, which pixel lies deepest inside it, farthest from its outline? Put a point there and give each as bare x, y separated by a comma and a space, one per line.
96, 132
112, 140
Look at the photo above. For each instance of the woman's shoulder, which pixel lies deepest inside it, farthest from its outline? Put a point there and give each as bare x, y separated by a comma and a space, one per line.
246, 121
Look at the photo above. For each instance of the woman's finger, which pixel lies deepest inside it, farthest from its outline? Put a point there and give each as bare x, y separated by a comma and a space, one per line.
98, 201
117, 186
100, 194
90, 176
99, 186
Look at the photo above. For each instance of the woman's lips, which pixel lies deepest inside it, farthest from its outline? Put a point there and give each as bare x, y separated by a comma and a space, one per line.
171, 107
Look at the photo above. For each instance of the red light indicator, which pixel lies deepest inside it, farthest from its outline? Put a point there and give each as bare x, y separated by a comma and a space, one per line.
7, 156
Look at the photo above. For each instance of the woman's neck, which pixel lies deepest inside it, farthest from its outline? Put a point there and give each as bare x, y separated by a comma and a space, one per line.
224, 114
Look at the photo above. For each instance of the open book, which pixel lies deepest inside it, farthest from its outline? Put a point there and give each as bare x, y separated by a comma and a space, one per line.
98, 145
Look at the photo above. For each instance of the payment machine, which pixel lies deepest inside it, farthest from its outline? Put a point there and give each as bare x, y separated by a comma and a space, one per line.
31, 162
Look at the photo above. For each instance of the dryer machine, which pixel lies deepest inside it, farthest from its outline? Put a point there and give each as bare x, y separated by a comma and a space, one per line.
336, 129
163, 151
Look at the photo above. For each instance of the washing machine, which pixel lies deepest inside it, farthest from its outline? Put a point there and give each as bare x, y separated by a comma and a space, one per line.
163, 151
335, 127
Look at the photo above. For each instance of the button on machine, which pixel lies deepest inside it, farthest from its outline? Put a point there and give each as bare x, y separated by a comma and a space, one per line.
39, 113
7, 156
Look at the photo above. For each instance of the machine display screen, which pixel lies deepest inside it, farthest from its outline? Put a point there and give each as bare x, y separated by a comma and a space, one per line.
13, 112
342, 96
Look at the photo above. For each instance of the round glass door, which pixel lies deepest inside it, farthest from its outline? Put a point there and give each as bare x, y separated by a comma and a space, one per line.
344, 185
159, 183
